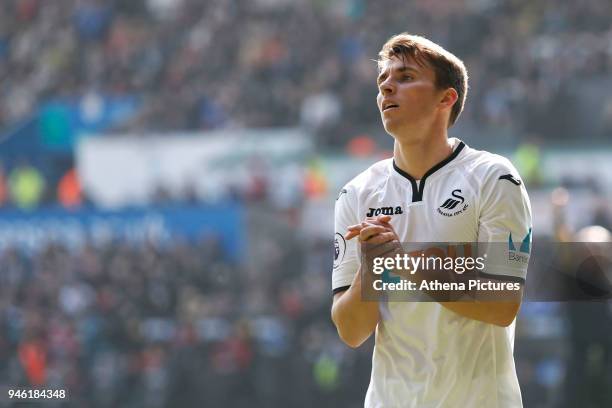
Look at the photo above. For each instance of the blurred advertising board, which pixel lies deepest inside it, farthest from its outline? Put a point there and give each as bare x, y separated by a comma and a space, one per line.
158, 226
57, 124
208, 166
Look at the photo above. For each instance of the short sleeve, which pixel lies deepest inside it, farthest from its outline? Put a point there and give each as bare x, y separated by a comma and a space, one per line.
505, 226
346, 257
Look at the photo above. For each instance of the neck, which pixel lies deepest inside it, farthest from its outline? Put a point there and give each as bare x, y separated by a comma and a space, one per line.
417, 157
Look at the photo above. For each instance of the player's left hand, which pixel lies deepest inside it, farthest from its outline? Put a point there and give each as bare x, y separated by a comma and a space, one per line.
377, 236
374, 230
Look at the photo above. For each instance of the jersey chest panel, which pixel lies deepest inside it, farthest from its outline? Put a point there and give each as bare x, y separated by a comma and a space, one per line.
447, 212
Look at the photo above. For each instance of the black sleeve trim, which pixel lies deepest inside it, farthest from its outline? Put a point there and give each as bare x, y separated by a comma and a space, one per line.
511, 179
340, 289
501, 277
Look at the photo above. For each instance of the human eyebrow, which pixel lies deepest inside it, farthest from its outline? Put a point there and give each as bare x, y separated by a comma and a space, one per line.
403, 69
383, 75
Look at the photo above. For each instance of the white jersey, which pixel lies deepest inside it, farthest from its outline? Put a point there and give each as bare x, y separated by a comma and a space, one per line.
426, 355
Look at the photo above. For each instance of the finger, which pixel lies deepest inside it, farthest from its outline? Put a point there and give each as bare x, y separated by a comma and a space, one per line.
364, 224
353, 231
384, 218
382, 238
380, 220
384, 249
351, 235
367, 232
372, 220
387, 227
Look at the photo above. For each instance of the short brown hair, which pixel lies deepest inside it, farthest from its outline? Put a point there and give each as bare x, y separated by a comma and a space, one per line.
450, 70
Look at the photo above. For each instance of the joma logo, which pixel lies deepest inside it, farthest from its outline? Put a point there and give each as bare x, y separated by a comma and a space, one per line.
384, 211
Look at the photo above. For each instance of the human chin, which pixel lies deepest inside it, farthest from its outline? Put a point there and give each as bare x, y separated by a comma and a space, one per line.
392, 125
400, 130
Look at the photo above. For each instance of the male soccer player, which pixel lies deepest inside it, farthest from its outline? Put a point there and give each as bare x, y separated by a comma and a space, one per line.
435, 189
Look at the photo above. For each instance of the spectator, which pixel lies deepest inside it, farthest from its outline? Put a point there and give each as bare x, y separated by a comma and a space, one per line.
69, 190
27, 186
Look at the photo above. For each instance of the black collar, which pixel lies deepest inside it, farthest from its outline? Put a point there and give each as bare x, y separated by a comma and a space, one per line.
417, 191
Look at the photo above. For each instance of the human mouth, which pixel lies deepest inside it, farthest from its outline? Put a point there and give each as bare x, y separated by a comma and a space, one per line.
388, 106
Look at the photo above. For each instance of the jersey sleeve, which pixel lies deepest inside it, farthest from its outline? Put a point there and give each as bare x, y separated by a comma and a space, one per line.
505, 226
346, 256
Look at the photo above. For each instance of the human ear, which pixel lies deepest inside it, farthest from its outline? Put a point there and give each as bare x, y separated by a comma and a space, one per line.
449, 97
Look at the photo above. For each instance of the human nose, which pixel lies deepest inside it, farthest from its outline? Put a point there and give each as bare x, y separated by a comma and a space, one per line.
386, 87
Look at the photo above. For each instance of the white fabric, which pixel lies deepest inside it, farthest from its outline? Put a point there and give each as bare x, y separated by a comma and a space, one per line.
426, 355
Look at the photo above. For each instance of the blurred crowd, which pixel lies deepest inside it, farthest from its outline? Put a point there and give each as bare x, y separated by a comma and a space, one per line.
176, 326
536, 67
180, 325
